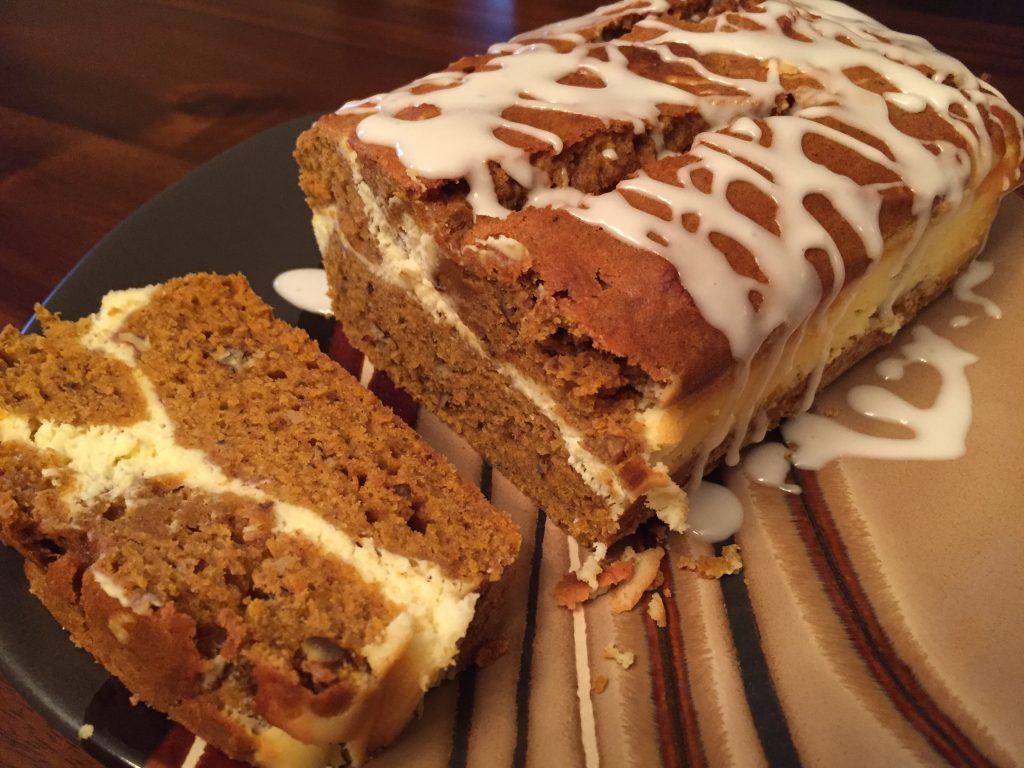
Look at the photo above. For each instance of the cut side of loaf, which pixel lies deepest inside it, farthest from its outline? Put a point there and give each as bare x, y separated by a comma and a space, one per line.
616, 249
235, 528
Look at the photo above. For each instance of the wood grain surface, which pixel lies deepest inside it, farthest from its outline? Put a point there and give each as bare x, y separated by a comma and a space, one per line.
103, 103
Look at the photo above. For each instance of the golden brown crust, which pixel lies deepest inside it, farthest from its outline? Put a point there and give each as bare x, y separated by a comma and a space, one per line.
603, 287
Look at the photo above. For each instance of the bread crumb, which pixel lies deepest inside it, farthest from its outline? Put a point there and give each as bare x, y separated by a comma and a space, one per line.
656, 610
591, 567
645, 577
631, 576
86, 731
571, 592
714, 567
598, 683
624, 659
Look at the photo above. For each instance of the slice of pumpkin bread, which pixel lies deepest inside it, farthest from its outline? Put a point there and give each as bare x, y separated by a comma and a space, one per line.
235, 528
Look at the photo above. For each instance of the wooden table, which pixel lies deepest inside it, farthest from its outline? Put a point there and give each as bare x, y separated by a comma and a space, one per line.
105, 103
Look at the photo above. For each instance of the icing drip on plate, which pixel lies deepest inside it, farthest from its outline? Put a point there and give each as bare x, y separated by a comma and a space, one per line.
716, 513
961, 321
305, 289
940, 431
768, 464
975, 274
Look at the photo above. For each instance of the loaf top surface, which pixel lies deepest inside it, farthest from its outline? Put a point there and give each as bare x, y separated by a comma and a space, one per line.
689, 178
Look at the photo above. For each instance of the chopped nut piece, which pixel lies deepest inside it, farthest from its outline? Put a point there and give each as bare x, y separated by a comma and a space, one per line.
714, 567
656, 609
140, 344
232, 357
323, 650
118, 625
634, 573
624, 659
615, 573
598, 683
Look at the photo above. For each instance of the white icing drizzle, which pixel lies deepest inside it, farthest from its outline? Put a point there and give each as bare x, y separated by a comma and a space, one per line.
569, 29
716, 513
559, 197
961, 321
792, 291
460, 141
890, 369
940, 431
975, 274
305, 289
768, 464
